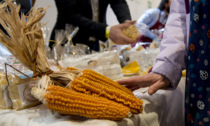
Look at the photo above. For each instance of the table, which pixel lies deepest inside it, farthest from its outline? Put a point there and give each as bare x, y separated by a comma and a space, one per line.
165, 108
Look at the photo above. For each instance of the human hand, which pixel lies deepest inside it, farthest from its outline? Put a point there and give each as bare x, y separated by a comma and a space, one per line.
151, 80
117, 36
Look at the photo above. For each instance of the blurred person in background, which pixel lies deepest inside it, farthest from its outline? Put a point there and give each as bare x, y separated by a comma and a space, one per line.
155, 19
90, 17
26, 5
25, 8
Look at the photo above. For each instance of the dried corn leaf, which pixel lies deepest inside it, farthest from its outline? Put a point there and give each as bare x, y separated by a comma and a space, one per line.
23, 33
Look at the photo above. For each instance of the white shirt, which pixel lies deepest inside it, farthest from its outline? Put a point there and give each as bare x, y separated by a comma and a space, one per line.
151, 16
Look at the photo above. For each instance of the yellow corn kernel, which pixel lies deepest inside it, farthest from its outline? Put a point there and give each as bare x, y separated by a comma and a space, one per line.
94, 76
68, 101
83, 85
131, 32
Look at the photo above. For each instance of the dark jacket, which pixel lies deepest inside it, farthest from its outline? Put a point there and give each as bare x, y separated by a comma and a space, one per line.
25, 5
79, 13
25, 8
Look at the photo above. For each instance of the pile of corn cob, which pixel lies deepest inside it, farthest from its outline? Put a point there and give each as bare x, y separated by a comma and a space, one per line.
90, 95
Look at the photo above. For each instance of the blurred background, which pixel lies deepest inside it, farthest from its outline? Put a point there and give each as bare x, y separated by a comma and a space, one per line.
137, 8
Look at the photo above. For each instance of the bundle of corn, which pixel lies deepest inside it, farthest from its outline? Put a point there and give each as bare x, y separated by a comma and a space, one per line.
90, 94
69, 101
24, 39
93, 83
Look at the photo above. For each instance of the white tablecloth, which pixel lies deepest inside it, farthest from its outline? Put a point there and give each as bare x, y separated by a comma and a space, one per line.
165, 108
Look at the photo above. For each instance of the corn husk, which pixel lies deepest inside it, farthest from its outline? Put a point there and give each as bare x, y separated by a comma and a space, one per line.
23, 34
25, 38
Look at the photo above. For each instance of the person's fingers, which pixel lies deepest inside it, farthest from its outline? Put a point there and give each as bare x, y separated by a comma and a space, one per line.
128, 81
153, 88
127, 21
127, 24
127, 40
145, 80
124, 26
132, 87
158, 85
155, 81
130, 22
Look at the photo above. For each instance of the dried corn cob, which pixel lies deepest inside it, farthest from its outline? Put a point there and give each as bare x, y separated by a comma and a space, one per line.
87, 86
68, 101
94, 76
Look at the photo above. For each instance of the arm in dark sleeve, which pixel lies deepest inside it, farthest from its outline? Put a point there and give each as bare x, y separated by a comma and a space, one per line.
121, 10
94, 28
25, 8
25, 5
73, 17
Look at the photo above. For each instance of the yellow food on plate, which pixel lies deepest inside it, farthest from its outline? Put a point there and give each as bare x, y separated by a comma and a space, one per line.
131, 68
